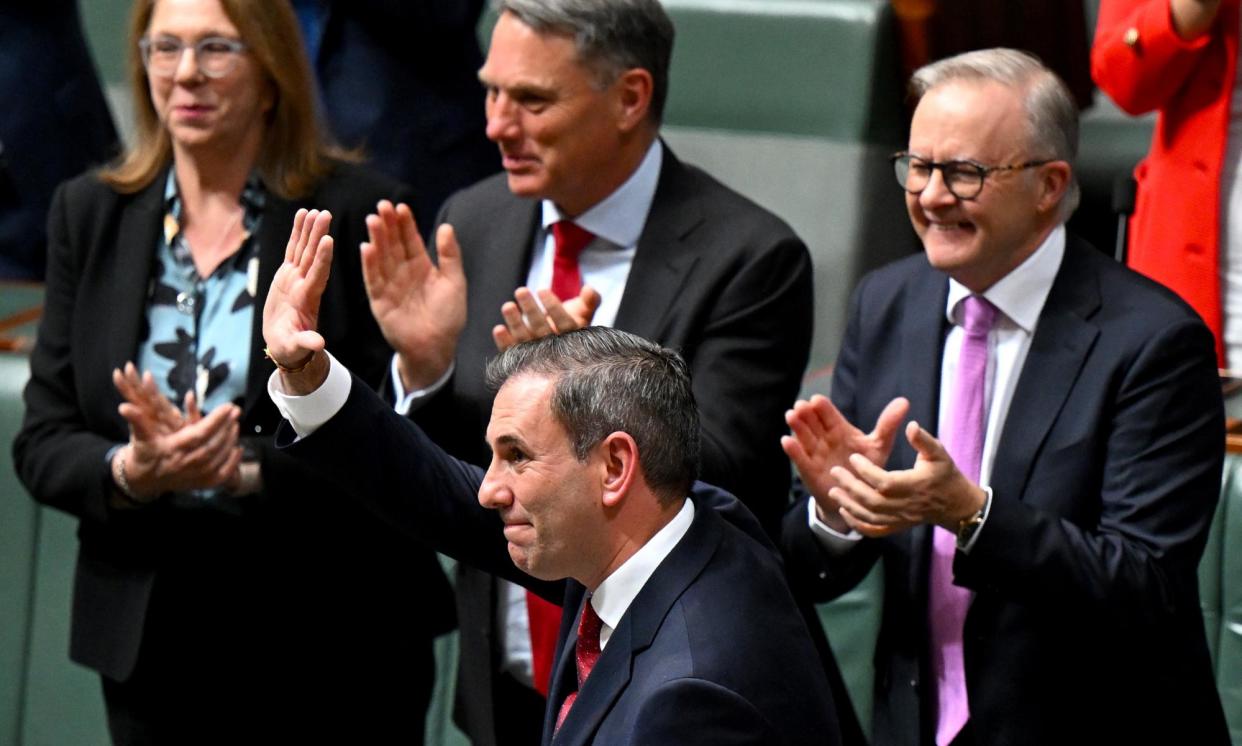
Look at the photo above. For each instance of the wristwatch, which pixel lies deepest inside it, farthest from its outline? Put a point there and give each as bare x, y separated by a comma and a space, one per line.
967, 527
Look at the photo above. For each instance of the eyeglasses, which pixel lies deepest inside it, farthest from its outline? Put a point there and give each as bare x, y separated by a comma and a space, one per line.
963, 178
216, 56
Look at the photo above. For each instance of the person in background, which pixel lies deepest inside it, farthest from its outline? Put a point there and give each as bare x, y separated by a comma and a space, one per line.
54, 124
398, 80
593, 219
1046, 453
223, 592
1179, 58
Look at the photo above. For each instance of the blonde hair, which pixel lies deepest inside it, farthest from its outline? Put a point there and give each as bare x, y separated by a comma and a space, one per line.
296, 147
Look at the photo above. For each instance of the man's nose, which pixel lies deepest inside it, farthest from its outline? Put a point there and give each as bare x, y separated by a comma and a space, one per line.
502, 121
493, 492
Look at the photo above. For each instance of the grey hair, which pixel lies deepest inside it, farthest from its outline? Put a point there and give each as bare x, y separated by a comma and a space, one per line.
611, 36
610, 381
1052, 115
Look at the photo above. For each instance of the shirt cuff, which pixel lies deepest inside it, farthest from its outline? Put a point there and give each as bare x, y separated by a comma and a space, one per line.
405, 401
307, 413
830, 539
974, 536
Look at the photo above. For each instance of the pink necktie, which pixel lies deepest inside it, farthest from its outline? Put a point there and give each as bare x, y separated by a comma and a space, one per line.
963, 438
570, 239
586, 652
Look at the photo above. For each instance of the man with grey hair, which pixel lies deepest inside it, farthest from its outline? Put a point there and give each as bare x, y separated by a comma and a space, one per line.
1040, 555
680, 628
594, 219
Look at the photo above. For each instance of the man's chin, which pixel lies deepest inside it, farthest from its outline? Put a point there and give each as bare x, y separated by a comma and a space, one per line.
525, 183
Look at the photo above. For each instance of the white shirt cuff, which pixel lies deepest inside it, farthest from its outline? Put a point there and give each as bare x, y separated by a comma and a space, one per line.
307, 413
833, 541
405, 400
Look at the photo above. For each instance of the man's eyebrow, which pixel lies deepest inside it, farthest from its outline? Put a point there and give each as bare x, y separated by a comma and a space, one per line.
508, 440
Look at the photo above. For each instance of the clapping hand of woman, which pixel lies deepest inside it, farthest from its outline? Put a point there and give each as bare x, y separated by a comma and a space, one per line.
168, 450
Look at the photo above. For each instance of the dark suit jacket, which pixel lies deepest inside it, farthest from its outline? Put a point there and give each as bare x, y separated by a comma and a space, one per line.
1085, 625
722, 281
400, 79
53, 125
310, 570
712, 650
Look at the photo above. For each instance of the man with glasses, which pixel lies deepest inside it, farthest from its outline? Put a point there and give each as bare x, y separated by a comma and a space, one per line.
1045, 454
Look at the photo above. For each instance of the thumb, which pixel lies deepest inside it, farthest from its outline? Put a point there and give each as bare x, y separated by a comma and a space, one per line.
924, 443
591, 299
887, 424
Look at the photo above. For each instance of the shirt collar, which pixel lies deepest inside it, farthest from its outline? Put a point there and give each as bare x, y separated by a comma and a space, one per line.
613, 596
1019, 295
619, 218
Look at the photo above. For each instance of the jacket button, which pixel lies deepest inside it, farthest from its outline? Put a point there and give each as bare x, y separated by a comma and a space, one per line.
258, 428
1131, 37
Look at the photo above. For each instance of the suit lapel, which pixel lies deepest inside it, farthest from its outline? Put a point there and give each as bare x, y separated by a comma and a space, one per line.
665, 257
923, 339
1062, 342
137, 234
638, 629
496, 270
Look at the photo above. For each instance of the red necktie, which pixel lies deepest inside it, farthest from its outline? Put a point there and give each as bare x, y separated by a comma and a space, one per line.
586, 652
570, 239
544, 619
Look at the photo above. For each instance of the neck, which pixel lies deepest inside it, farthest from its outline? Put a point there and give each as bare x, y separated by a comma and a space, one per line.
630, 533
204, 172
630, 156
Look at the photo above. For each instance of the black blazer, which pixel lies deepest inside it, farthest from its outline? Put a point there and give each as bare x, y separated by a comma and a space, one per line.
724, 282
712, 650
1085, 625
296, 538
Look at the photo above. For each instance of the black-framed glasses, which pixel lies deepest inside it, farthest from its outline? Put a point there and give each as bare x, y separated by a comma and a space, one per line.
216, 56
963, 178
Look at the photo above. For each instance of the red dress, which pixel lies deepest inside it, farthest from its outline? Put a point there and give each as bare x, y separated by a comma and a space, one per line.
1141, 62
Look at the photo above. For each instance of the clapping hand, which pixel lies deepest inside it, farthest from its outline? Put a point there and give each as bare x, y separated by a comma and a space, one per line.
169, 451
528, 318
420, 305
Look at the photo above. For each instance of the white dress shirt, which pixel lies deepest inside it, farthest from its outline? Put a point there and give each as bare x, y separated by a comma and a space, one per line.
1019, 297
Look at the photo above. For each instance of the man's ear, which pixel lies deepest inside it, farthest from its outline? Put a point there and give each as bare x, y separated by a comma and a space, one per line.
621, 469
1054, 181
634, 90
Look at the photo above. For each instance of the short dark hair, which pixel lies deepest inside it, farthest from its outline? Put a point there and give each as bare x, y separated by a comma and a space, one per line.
611, 36
610, 381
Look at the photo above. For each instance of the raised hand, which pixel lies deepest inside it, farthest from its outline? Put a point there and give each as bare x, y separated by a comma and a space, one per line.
291, 314
876, 502
169, 452
527, 318
420, 307
821, 439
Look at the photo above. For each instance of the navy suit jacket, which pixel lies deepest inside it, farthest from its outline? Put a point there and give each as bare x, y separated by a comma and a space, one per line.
712, 650
1085, 624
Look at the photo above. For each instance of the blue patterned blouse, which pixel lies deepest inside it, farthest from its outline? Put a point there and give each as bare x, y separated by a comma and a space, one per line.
199, 329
